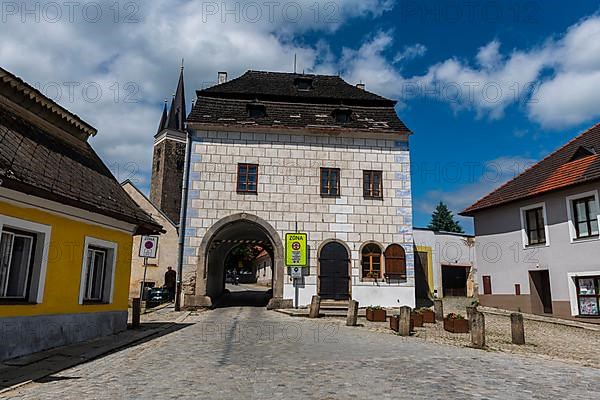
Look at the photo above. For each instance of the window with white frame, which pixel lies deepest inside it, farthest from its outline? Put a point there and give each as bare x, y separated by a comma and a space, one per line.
583, 216
16, 262
98, 270
534, 225
23, 259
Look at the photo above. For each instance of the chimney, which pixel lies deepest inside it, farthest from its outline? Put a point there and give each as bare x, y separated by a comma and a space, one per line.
222, 77
361, 86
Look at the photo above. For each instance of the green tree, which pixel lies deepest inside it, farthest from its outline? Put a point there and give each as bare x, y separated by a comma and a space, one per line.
442, 219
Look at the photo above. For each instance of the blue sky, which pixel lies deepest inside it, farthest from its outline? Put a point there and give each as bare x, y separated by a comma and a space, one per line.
434, 57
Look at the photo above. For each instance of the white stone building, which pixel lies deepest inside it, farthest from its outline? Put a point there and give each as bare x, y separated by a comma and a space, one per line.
273, 153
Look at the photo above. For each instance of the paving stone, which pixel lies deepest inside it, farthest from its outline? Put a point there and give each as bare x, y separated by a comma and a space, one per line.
252, 353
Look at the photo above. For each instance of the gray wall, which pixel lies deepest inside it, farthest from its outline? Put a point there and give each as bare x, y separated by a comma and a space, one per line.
25, 335
502, 255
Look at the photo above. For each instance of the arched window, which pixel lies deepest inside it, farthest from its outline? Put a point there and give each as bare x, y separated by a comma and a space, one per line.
395, 262
371, 261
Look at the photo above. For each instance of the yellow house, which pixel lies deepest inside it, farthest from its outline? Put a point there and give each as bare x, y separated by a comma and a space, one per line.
66, 228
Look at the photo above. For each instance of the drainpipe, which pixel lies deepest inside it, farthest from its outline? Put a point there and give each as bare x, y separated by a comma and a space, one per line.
182, 218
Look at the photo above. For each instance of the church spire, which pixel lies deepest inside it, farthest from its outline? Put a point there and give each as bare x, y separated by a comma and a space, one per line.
177, 113
163, 120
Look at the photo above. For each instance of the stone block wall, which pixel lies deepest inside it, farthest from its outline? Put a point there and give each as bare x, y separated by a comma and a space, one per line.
289, 194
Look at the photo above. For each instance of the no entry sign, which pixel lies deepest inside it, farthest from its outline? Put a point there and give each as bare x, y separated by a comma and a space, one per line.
296, 250
148, 246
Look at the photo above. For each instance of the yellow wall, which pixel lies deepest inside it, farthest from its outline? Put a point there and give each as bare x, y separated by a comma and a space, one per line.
63, 274
429, 251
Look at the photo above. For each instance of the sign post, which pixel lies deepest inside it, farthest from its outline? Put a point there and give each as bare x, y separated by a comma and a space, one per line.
148, 247
296, 257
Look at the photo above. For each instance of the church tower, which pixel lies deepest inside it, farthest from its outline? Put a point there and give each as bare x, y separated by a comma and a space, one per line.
168, 158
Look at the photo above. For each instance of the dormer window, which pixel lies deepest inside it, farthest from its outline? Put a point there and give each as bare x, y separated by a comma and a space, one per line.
256, 110
303, 83
342, 116
582, 152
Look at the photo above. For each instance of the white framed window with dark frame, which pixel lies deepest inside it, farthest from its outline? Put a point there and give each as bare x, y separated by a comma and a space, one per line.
583, 216
330, 182
98, 271
247, 178
373, 184
534, 225
24, 247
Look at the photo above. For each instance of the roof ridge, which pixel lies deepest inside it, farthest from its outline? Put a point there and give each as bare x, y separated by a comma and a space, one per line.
473, 206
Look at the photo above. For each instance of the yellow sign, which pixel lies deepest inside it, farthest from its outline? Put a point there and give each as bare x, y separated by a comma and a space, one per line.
296, 250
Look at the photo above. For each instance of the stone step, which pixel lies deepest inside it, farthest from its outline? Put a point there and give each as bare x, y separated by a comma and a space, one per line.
334, 305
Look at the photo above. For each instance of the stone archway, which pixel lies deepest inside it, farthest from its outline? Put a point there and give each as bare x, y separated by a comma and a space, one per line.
220, 239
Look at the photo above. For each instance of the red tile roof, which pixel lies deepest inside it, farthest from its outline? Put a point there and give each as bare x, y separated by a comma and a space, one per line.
557, 171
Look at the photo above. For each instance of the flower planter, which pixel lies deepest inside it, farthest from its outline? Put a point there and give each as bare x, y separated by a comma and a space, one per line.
416, 320
395, 323
456, 325
376, 315
428, 316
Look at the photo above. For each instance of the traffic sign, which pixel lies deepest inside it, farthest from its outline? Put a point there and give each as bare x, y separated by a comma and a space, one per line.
296, 272
296, 250
148, 246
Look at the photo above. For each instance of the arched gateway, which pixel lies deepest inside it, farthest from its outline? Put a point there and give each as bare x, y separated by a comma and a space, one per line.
225, 235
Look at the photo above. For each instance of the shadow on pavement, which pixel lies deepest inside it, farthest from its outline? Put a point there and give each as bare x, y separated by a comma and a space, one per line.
41, 367
246, 298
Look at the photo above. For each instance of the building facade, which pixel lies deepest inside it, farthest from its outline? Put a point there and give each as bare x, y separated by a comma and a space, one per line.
444, 264
166, 253
168, 156
66, 228
538, 241
276, 153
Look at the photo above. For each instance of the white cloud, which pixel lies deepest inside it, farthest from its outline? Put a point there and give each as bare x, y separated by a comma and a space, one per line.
137, 53
410, 53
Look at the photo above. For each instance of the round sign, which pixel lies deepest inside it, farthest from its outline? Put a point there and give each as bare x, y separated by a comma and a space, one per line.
149, 244
296, 245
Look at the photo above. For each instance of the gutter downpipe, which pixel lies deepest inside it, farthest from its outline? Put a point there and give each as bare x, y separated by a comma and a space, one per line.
182, 219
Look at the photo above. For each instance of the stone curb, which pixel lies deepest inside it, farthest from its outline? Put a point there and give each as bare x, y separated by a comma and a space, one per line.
540, 318
93, 354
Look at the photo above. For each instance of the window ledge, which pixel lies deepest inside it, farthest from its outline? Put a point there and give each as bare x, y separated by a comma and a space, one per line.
533, 246
585, 239
245, 192
10, 302
330, 196
94, 302
373, 198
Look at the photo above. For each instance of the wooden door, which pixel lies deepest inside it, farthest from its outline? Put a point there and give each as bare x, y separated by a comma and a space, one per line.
334, 277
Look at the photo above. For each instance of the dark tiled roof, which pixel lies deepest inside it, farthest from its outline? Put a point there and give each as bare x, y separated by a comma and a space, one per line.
286, 106
280, 86
294, 115
65, 169
557, 171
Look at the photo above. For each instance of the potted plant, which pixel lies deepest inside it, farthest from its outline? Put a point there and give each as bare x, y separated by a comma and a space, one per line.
376, 314
456, 323
428, 315
416, 319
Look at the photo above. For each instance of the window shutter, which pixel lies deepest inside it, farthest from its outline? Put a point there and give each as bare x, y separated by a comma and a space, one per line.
395, 262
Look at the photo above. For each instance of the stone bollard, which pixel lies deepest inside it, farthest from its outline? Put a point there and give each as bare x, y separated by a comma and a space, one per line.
517, 328
438, 308
404, 321
478, 330
352, 317
136, 310
471, 310
315, 307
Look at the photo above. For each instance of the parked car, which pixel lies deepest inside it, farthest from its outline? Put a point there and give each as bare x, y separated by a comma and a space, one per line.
156, 296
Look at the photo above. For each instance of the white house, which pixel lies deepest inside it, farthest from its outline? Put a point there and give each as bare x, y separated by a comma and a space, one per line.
275, 153
538, 244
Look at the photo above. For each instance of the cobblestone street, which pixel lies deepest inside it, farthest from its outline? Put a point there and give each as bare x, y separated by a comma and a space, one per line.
251, 353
